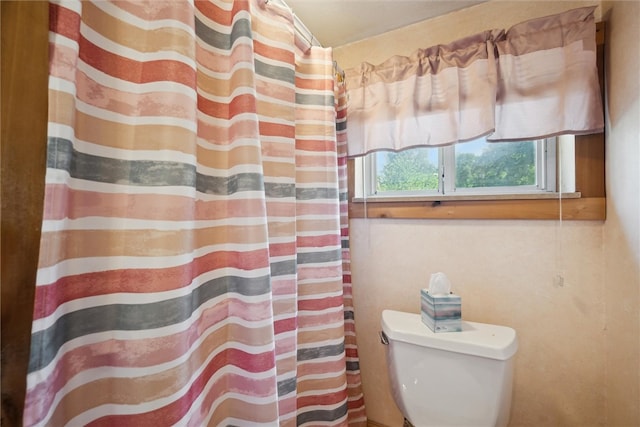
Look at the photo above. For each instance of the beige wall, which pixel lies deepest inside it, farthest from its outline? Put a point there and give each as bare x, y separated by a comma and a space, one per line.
578, 359
622, 228
504, 271
448, 28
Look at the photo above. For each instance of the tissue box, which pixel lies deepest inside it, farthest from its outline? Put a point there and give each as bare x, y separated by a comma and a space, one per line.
441, 313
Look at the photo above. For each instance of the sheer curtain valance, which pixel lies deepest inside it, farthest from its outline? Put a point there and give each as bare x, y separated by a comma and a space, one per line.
537, 79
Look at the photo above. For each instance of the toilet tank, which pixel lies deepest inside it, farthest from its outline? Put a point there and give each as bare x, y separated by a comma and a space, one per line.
450, 379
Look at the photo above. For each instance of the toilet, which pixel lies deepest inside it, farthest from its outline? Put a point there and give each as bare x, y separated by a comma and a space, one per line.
450, 378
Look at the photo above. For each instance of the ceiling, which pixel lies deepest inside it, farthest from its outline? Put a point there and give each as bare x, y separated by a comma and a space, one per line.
338, 22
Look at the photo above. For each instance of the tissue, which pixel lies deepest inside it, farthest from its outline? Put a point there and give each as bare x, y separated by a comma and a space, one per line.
441, 310
439, 284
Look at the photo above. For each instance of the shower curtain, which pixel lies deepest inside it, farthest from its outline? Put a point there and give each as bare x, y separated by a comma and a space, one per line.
194, 264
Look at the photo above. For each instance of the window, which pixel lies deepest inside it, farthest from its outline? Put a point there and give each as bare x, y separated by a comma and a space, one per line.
584, 176
467, 169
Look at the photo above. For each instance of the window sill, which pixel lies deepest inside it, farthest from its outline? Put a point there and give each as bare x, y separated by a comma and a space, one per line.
550, 208
468, 196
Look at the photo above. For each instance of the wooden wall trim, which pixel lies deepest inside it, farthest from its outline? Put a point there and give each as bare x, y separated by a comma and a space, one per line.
590, 149
591, 208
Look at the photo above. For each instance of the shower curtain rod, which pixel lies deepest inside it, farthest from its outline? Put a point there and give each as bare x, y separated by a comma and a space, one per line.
298, 24
305, 32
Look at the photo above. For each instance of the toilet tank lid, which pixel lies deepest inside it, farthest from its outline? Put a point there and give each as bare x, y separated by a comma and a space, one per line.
479, 339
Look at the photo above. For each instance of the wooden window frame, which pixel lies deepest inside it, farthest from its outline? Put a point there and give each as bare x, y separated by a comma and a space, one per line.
590, 183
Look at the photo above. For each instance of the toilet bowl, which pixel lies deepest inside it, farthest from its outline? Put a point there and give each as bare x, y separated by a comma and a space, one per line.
453, 378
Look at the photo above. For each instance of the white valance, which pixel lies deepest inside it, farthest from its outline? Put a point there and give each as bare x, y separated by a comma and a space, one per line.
535, 80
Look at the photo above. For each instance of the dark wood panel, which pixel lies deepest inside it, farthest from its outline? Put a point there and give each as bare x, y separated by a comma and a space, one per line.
24, 125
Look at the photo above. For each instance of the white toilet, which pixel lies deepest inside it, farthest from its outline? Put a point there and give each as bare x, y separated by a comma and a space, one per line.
449, 378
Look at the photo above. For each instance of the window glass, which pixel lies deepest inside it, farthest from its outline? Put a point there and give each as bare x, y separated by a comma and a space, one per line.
495, 164
477, 167
408, 170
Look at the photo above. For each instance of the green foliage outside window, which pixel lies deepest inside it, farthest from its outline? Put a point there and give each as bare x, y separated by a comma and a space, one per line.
408, 170
498, 164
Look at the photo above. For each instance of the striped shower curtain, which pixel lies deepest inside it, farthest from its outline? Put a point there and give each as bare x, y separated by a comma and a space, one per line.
194, 264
